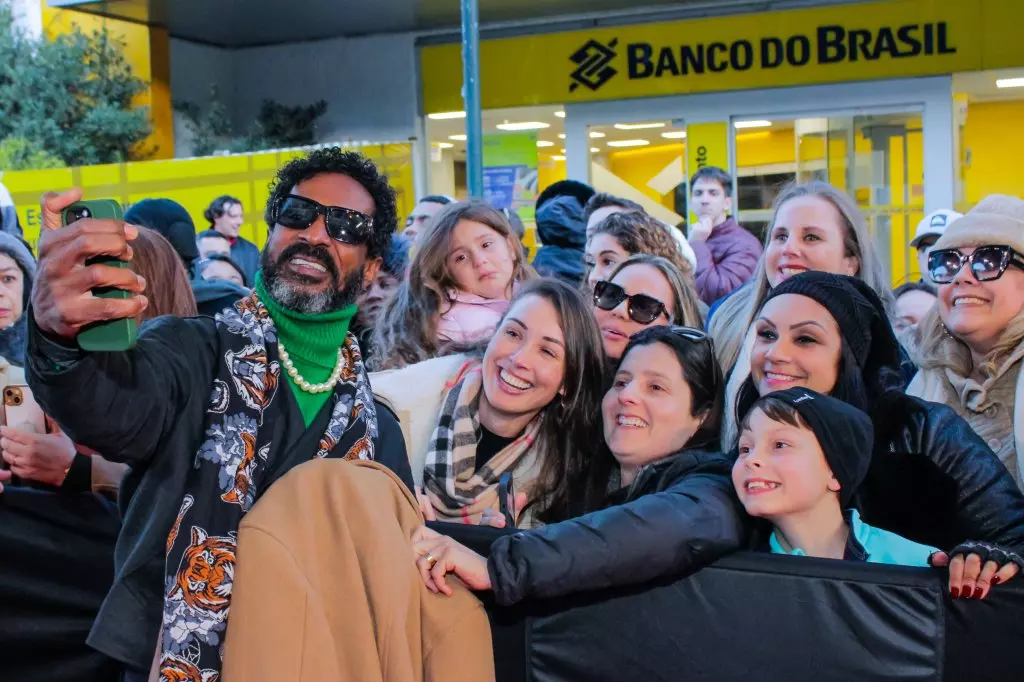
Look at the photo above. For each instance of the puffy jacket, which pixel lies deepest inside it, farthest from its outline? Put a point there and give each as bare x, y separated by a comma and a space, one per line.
563, 232
678, 515
933, 480
725, 261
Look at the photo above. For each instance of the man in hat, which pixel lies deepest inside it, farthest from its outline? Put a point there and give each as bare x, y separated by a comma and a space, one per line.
928, 232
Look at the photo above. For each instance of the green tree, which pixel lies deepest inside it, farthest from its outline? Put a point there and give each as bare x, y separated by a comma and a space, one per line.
17, 153
71, 96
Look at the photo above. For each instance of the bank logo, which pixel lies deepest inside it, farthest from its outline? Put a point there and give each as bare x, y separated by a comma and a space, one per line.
593, 62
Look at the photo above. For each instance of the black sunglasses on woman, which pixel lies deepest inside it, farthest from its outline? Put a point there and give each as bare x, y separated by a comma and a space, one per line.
642, 309
343, 224
987, 263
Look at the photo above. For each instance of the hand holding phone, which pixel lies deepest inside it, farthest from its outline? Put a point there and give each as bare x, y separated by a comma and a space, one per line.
21, 411
69, 299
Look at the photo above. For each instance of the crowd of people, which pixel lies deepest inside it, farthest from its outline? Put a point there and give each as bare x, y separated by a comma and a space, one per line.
636, 401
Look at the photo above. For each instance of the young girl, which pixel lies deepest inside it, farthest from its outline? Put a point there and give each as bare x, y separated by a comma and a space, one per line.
802, 456
467, 265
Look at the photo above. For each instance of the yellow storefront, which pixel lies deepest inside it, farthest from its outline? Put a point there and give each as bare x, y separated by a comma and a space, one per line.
896, 102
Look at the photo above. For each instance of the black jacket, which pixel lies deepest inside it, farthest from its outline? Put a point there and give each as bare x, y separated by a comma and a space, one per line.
146, 408
678, 515
934, 480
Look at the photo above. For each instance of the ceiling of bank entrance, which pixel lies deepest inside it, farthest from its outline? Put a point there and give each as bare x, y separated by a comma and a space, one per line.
240, 23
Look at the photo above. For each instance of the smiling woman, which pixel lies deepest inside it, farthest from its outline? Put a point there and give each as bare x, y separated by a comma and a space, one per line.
971, 345
528, 406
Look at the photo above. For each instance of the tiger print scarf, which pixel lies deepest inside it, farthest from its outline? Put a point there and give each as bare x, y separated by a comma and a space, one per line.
227, 476
457, 490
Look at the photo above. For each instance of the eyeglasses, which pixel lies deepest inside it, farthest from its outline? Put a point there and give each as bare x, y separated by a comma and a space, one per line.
343, 224
642, 309
987, 263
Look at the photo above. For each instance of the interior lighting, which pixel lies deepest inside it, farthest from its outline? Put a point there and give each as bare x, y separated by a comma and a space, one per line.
545, 143
444, 145
446, 115
595, 150
1010, 83
523, 125
740, 125
561, 136
638, 126
675, 135
629, 143
596, 135
557, 157
457, 138
560, 114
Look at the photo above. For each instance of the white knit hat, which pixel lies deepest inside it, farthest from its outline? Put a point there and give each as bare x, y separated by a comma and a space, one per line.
998, 219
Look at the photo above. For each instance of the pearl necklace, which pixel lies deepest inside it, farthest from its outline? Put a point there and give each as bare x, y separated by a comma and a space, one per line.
302, 383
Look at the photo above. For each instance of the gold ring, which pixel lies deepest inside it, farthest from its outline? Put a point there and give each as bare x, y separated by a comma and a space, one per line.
430, 561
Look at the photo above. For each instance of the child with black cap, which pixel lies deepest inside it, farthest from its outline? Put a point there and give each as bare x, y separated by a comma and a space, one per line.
802, 456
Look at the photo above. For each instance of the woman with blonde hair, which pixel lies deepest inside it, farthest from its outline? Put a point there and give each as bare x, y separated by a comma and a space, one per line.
467, 266
815, 227
970, 345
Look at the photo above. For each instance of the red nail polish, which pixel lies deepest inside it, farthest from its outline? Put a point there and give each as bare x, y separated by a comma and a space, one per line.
996, 580
954, 592
977, 593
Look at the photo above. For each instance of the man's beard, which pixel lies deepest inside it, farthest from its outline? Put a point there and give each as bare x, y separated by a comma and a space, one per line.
280, 285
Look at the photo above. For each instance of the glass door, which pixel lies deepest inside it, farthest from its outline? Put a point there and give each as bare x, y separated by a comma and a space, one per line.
877, 159
643, 161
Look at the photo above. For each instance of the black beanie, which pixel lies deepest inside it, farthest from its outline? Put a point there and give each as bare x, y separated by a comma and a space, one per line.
844, 433
172, 221
857, 310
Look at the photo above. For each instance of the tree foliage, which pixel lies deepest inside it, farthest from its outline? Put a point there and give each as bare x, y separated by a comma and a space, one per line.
17, 153
276, 125
70, 97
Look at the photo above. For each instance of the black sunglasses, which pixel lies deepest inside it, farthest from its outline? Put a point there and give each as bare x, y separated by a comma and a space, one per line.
987, 263
690, 333
642, 309
343, 224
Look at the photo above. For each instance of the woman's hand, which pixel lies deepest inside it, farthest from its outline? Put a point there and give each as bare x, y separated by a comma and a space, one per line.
438, 555
494, 518
43, 457
975, 568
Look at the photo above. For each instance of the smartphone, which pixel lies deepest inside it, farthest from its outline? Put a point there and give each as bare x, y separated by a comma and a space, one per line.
21, 410
115, 335
506, 499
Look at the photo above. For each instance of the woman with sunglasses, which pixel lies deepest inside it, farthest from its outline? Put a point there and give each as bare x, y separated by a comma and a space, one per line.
931, 478
655, 502
970, 346
643, 291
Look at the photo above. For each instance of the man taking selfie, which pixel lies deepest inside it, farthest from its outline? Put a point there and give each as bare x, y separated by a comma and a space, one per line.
209, 413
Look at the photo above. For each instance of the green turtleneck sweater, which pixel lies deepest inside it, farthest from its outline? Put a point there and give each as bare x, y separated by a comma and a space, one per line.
312, 342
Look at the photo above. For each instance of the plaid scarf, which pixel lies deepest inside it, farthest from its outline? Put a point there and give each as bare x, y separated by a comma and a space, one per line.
457, 491
227, 476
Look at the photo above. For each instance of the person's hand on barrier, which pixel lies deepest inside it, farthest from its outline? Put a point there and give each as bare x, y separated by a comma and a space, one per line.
425, 506
439, 555
976, 567
62, 299
494, 518
43, 457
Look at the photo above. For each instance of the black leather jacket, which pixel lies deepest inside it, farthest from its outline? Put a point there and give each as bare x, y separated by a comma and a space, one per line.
935, 481
678, 515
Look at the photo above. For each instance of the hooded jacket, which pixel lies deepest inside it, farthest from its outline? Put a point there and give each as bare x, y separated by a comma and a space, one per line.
14, 338
680, 514
563, 232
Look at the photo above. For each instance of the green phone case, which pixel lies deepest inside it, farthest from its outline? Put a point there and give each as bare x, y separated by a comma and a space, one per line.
116, 335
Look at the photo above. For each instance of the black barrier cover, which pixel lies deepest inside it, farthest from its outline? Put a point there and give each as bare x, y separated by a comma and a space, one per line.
56, 565
771, 617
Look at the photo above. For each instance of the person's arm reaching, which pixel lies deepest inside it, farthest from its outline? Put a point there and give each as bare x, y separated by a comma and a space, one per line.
683, 528
123, 403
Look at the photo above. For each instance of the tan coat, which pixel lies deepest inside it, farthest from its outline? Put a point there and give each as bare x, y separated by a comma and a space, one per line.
326, 588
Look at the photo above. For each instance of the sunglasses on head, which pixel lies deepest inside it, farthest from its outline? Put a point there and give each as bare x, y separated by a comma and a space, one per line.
691, 334
343, 224
987, 263
642, 309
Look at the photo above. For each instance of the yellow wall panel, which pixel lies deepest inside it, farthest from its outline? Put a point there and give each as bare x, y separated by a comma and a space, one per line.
993, 145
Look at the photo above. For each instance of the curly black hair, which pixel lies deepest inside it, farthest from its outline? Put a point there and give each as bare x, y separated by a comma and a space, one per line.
353, 165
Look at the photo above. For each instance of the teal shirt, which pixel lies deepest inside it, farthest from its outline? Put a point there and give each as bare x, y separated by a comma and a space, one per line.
880, 546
